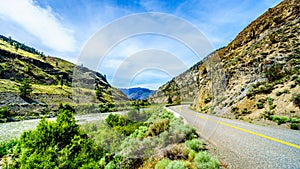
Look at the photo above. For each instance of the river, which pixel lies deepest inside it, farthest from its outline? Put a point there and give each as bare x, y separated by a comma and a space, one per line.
14, 129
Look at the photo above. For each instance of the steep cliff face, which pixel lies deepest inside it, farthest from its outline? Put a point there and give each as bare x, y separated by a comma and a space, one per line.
256, 75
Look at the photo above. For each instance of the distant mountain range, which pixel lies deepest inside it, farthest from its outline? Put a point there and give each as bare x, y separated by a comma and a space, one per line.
138, 93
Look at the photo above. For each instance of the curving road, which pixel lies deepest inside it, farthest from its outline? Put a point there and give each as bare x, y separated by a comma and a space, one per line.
243, 145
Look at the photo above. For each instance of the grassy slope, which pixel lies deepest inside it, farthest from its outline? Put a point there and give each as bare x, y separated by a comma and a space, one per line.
45, 73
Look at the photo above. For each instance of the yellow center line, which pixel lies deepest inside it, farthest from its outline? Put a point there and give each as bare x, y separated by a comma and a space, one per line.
249, 131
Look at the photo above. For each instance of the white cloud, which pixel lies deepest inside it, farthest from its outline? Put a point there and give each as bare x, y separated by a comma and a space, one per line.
152, 5
40, 22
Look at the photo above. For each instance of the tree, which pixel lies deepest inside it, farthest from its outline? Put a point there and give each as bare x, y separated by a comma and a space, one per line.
25, 89
61, 81
59, 144
4, 112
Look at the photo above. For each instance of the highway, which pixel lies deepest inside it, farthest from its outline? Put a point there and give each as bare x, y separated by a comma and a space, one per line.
243, 145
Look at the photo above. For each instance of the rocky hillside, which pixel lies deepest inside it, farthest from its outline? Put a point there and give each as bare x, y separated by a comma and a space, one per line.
256, 76
138, 93
53, 81
179, 89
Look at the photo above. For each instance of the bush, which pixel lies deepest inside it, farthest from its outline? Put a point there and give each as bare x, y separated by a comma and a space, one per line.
162, 164
128, 129
59, 144
296, 99
267, 114
25, 89
280, 120
9, 147
245, 111
261, 87
158, 127
295, 126
176, 165
116, 120
234, 110
260, 105
274, 72
295, 120
107, 107
194, 144
293, 85
204, 161
279, 93
192, 155
4, 112
140, 132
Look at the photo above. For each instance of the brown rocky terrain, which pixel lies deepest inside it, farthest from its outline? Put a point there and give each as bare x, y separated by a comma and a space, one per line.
255, 76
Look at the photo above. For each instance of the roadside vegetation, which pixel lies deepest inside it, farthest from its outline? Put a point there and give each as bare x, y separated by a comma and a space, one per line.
153, 138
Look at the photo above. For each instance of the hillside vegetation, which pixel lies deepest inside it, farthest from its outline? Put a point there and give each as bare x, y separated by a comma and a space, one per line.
256, 77
53, 81
150, 139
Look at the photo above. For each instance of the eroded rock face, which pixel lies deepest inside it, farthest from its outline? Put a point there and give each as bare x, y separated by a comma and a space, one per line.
182, 88
262, 62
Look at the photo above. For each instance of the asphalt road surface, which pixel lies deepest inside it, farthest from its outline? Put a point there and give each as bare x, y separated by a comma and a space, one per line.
243, 145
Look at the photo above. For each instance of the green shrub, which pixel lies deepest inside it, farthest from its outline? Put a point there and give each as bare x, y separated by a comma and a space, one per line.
176, 165
192, 155
140, 132
204, 161
4, 112
280, 120
295, 120
167, 115
128, 129
296, 99
274, 72
107, 107
245, 111
260, 105
283, 119
234, 110
116, 120
295, 126
207, 100
297, 80
66, 107
262, 88
25, 88
162, 164
194, 144
59, 144
9, 147
293, 85
279, 93
158, 127
110, 165
270, 102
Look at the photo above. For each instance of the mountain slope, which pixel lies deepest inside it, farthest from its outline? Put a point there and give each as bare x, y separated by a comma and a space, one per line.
138, 93
256, 76
46, 74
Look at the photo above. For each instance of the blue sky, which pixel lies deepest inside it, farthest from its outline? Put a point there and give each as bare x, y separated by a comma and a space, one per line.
63, 28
